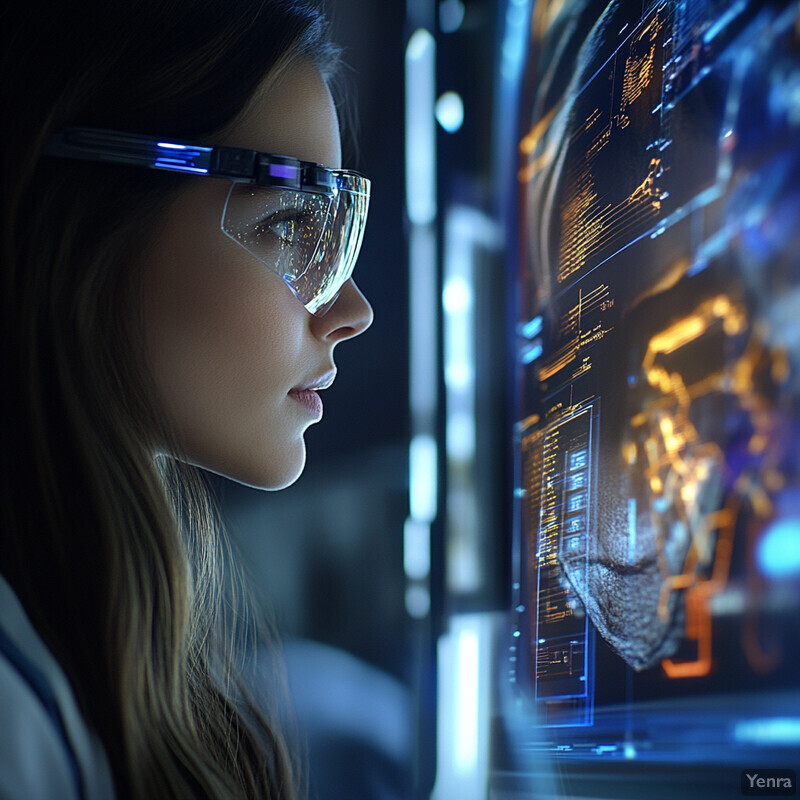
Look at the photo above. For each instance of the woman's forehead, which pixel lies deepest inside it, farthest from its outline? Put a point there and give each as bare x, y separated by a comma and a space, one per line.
294, 115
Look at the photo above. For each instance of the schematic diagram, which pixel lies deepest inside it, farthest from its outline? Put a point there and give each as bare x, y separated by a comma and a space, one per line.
659, 375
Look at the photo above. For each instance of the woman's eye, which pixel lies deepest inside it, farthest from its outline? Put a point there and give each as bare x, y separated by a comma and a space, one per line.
286, 225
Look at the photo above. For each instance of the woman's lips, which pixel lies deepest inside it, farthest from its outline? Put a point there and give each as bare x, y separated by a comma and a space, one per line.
318, 383
310, 401
307, 393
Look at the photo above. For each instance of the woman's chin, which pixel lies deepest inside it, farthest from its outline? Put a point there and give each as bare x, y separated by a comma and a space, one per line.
267, 474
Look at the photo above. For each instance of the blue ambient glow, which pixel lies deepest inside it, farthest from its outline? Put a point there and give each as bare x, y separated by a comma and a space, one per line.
725, 20
451, 15
423, 477
450, 111
778, 552
183, 158
418, 601
420, 67
532, 328
516, 28
778, 731
417, 549
178, 166
467, 730
530, 354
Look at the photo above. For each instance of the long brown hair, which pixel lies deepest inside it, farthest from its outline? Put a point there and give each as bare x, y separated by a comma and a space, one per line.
111, 554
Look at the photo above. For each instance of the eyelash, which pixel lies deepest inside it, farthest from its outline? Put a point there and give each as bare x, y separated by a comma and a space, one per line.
292, 216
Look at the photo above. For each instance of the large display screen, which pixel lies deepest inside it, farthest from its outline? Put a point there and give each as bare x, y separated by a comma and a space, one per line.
658, 353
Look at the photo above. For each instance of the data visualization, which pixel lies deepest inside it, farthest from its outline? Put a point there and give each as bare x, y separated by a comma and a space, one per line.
658, 376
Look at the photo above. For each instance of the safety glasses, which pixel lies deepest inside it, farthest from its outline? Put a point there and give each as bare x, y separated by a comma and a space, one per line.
303, 221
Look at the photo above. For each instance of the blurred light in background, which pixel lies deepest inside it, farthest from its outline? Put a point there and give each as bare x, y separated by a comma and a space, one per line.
423, 488
771, 731
531, 352
423, 491
468, 232
421, 127
416, 549
423, 328
466, 734
459, 371
464, 688
515, 38
778, 552
461, 436
450, 111
418, 601
532, 328
420, 136
451, 15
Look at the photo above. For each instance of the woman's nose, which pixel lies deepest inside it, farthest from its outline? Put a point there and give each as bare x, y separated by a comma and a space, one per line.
349, 316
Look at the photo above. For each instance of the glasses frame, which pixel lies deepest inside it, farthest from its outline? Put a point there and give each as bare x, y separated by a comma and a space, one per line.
235, 164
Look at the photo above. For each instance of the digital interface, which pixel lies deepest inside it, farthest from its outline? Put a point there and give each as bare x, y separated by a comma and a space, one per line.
658, 361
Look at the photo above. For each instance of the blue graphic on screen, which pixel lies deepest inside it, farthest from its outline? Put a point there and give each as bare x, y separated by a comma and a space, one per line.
659, 375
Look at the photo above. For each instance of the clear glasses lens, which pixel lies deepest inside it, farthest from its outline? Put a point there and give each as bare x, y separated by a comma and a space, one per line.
310, 240
280, 227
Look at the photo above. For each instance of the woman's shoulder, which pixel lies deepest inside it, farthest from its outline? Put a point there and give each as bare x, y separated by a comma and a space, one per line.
46, 749
33, 759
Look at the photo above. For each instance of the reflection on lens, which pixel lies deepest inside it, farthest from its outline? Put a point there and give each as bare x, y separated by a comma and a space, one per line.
280, 227
338, 251
309, 239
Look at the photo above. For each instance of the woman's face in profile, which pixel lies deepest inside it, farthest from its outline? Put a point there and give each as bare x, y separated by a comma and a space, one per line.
232, 352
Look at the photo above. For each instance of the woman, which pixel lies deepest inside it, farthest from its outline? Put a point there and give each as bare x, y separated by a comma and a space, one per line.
155, 318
